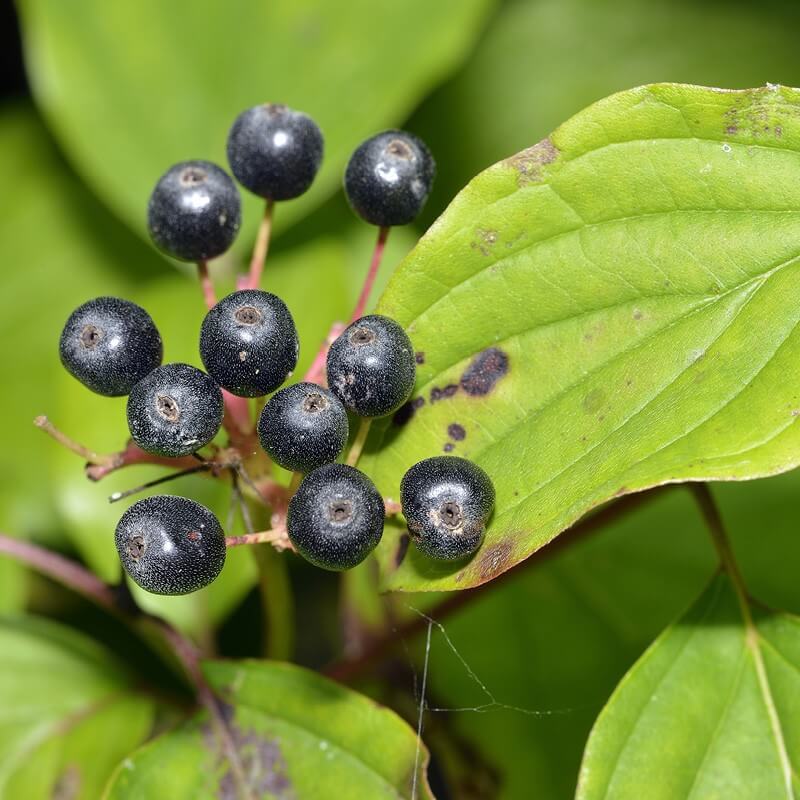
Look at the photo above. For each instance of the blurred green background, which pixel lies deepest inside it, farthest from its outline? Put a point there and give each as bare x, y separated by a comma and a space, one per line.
99, 98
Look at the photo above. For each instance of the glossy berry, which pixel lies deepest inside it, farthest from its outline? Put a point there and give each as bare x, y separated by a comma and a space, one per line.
389, 177
371, 366
303, 427
274, 152
194, 212
249, 343
170, 545
335, 518
446, 502
174, 411
109, 344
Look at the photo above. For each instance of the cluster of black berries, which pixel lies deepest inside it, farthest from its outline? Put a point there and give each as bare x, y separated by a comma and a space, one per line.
249, 347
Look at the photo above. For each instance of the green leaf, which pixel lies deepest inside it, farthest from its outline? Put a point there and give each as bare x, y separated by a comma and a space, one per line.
68, 712
609, 310
297, 735
174, 76
710, 710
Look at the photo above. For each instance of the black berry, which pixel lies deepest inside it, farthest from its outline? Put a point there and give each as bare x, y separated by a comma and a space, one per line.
389, 177
249, 343
109, 344
335, 518
303, 427
274, 152
174, 411
446, 502
371, 366
170, 545
194, 212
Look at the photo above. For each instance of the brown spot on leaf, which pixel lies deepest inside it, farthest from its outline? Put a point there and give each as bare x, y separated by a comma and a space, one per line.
456, 432
448, 447
484, 242
68, 785
493, 560
419, 356
485, 370
443, 392
530, 163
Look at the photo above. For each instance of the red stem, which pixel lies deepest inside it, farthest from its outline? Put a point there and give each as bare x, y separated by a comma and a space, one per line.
237, 419
206, 285
60, 569
132, 454
316, 372
377, 255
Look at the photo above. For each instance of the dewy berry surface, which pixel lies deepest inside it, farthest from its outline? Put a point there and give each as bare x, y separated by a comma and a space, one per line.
248, 343
371, 366
447, 502
335, 519
174, 411
303, 427
389, 177
194, 211
274, 151
109, 345
170, 545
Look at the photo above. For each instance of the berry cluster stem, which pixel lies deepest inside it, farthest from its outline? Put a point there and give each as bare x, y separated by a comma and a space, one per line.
260, 250
90, 456
209, 295
359, 441
316, 372
275, 536
369, 281
236, 420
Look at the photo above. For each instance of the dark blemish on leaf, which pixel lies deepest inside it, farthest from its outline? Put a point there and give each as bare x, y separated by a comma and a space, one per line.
594, 400
778, 131
68, 785
492, 562
485, 241
530, 163
637, 313
404, 414
621, 491
485, 370
262, 762
402, 549
448, 447
443, 393
419, 357
732, 129
456, 432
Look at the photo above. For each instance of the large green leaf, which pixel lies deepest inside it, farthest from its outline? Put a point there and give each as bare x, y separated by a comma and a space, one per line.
611, 309
298, 736
68, 713
711, 710
133, 87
